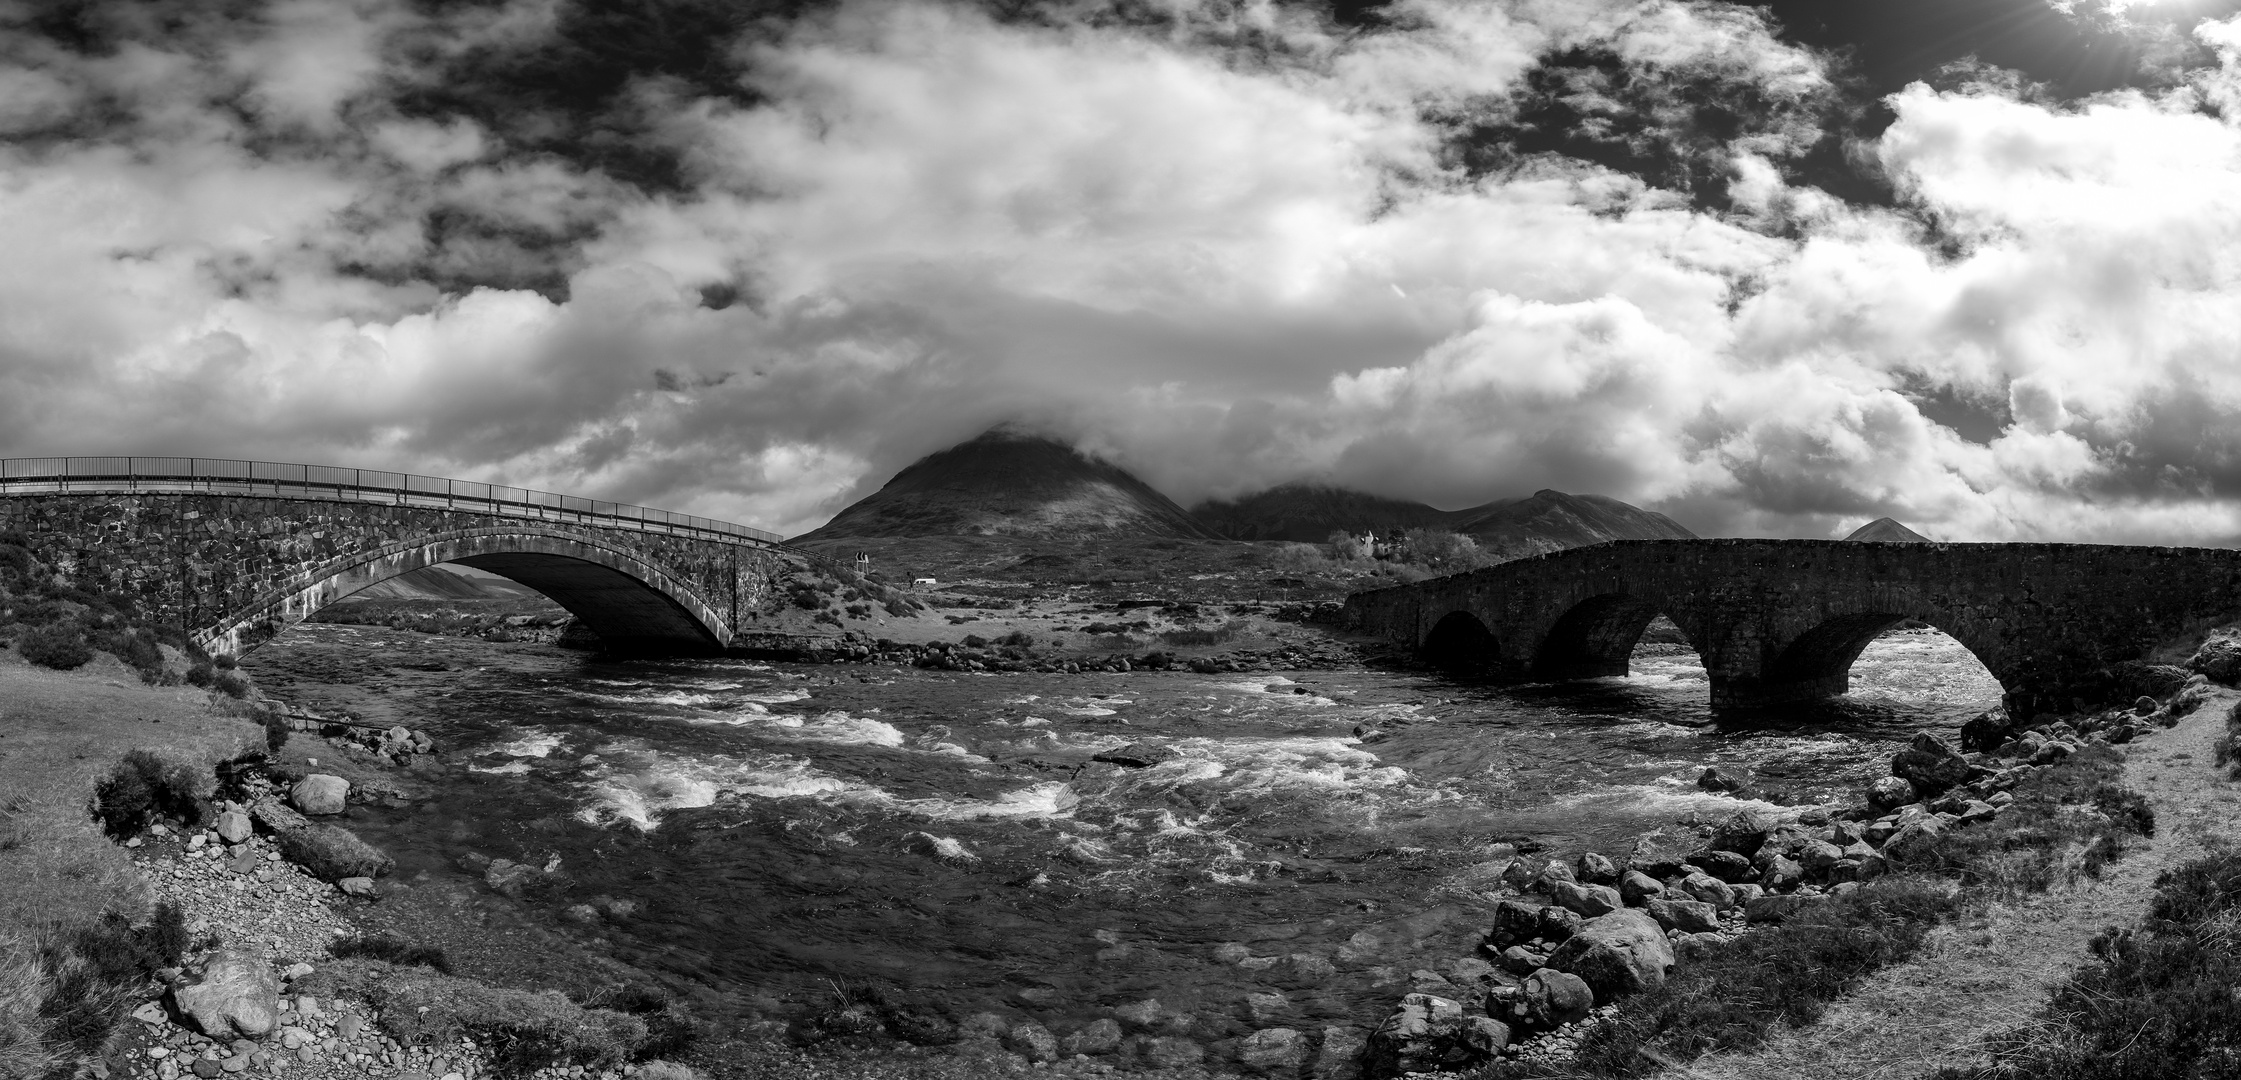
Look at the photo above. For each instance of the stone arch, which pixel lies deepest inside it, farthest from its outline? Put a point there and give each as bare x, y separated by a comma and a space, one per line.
1818, 662
632, 604
1459, 642
1595, 637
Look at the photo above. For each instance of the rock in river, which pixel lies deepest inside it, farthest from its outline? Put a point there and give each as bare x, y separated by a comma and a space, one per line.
319, 793
1138, 755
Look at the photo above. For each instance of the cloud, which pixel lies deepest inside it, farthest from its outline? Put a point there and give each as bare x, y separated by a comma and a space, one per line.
750, 269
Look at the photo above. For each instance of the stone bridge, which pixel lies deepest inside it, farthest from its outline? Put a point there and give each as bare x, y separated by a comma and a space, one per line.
1779, 621
229, 561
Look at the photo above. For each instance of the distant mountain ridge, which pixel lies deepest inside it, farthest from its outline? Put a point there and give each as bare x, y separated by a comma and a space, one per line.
1888, 531
1547, 520
1011, 483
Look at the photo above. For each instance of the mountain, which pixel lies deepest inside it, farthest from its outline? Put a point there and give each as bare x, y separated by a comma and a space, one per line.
1546, 521
1308, 513
1010, 483
437, 583
1887, 531
1553, 520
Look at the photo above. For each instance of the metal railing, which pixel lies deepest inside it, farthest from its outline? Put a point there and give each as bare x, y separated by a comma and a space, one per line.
58, 475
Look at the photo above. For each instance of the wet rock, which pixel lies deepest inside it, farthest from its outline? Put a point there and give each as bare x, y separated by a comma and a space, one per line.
1686, 916
1587, 900
237, 994
1032, 1041
319, 793
1273, 1052
1927, 764
1519, 960
1888, 792
1554, 998
1715, 780
1429, 1034
276, 817
1514, 922
985, 1025
1139, 755
1596, 868
331, 853
1551, 876
1340, 1055
1139, 1014
1624, 952
1819, 855
1727, 866
363, 886
1660, 852
1095, 1038
1164, 1052
1635, 887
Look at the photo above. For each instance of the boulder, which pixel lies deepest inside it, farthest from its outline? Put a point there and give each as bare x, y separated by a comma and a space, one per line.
1686, 916
1781, 875
1929, 765
1819, 855
1708, 889
1914, 840
1624, 952
1712, 779
1514, 923
1727, 866
319, 793
332, 854
233, 826
1987, 730
275, 816
1552, 875
237, 996
1743, 832
1588, 900
1419, 1036
1094, 1038
1340, 1056
1554, 998
1636, 887
1693, 947
1559, 924
2219, 659
1890, 791
1273, 1052
1519, 960
1596, 868
1660, 852
1138, 755
358, 886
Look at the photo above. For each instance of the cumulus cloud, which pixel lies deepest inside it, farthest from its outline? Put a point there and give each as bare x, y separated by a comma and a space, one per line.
1228, 244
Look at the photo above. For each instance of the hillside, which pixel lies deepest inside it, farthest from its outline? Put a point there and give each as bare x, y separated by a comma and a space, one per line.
1308, 513
1553, 520
1884, 530
1007, 483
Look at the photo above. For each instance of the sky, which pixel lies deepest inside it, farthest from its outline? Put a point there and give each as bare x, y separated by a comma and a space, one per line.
1773, 269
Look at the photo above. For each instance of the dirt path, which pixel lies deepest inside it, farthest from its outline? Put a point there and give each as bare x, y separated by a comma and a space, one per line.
1992, 972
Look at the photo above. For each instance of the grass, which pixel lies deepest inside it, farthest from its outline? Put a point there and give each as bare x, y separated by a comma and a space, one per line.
390, 949
2157, 1001
2067, 822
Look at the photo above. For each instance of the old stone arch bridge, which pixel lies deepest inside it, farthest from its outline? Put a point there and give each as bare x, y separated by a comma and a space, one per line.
1779, 621
229, 553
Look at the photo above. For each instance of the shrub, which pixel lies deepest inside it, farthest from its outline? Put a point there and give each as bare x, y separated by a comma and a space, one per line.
389, 949
201, 673
58, 645
975, 641
226, 661
232, 684
1220, 635
143, 786
276, 730
136, 648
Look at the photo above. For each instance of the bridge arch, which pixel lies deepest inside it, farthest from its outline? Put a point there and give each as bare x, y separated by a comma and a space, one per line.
1459, 642
1818, 662
632, 604
1595, 637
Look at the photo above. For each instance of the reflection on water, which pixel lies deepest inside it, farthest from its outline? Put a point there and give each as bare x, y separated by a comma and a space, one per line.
771, 827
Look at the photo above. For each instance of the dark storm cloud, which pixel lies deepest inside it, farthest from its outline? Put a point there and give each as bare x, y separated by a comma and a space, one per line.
1770, 272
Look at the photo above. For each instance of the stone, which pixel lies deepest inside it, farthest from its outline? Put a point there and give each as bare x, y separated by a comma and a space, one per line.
2219, 659
1558, 923
1519, 960
1170, 1052
1095, 1038
1635, 887
1139, 1014
1588, 900
1660, 852
1743, 832
1686, 916
1927, 764
1624, 952
208, 1068
1596, 868
1340, 1055
1712, 779
1708, 889
2053, 752
1273, 1052
1692, 947
1987, 730
1032, 1041
357, 886
1554, 998
1727, 866
1975, 810
151, 1013
1819, 855
1263, 1007
1552, 875
985, 1025
1781, 874
1139, 755
332, 853
1514, 922
236, 994
511, 878
1890, 791
233, 827
349, 1026
1431, 1034
1914, 840
319, 793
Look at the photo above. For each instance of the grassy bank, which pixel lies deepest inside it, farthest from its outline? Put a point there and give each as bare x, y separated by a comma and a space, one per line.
2066, 822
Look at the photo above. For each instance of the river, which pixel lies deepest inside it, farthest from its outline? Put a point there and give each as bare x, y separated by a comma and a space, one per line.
759, 835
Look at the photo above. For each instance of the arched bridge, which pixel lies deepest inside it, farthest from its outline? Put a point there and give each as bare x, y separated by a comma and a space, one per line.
1779, 621
231, 552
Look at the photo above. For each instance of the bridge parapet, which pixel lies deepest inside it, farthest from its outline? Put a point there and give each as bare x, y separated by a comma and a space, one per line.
1782, 620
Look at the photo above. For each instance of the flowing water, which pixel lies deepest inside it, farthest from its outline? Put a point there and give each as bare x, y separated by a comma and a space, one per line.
759, 833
